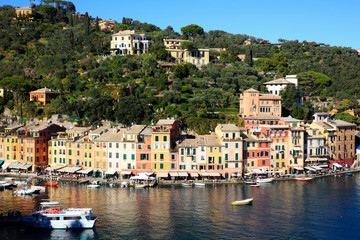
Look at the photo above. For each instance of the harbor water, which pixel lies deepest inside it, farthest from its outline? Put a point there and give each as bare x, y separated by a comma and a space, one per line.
326, 208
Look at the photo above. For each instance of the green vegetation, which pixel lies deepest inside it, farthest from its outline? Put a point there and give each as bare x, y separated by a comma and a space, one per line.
64, 51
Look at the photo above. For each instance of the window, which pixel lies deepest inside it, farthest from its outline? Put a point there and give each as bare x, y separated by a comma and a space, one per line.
156, 138
164, 138
161, 166
124, 156
219, 160
173, 166
236, 156
236, 145
226, 145
226, 157
139, 146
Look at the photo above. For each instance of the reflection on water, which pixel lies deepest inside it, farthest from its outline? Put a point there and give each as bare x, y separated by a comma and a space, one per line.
327, 208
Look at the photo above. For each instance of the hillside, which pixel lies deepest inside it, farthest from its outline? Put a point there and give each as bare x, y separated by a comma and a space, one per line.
64, 51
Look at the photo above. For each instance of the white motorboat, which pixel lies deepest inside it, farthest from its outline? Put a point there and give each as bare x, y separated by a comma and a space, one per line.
140, 185
186, 184
20, 183
41, 188
265, 180
93, 186
24, 191
57, 218
199, 184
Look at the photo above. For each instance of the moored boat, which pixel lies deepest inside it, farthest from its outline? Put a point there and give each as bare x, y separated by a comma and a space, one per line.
51, 184
265, 180
186, 184
348, 174
242, 202
199, 184
303, 179
250, 182
24, 191
255, 185
140, 185
338, 175
57, 218
93, 186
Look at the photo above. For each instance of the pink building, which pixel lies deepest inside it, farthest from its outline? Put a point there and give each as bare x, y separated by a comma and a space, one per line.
252, 102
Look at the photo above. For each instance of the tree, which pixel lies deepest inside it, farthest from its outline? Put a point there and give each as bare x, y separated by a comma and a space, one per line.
159, 51
313, 82
87, 24
289, 95
192, 30
18, 86
187, 45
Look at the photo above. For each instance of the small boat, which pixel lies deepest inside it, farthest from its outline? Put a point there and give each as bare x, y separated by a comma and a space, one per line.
56, 218
24, 191
303, 179
140, 185
338, 175
348, 174
265, 180
20, 183
111, 184
199, 184
40, 188
124, 184
51, 184
93, 186
242, 202
186, 184
255, 185
250, 182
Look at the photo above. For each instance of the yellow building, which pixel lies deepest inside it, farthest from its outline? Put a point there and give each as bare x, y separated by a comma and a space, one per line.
214, 155
129, 43
195, 56
24, 12
160, 154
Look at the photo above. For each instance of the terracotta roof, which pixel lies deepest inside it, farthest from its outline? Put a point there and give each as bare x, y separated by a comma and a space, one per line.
189, 143
251, 90
263, 117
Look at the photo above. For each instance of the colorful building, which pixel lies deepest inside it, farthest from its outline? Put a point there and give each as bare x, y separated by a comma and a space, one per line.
195, 56
43, 95
129, 43
252, 102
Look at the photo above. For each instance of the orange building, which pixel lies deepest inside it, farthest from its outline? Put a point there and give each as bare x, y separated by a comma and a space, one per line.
43, 95
252, 102
143, 150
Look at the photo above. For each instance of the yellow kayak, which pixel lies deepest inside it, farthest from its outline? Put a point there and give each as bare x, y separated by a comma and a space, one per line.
242, 202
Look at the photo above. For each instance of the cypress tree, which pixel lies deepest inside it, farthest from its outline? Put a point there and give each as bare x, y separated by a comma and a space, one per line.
87, 24
71, 21
97, 28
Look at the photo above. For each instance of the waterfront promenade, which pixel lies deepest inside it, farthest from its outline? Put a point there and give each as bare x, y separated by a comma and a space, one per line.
288, 177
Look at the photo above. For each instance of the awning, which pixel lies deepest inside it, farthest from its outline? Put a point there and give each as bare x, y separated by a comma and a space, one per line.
323, 166
174, 174
298, 168
69, 169
297, 149
25, 166
85, 171
162, 174
194, 174
183, 174
317, 168
5, 165
215, 174
256, 170
205, 174
54, 167
337, 165
1, 162
310, 169
110, 172
126, 172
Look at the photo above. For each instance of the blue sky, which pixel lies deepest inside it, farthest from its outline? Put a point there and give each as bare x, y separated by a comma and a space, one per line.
324, 21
